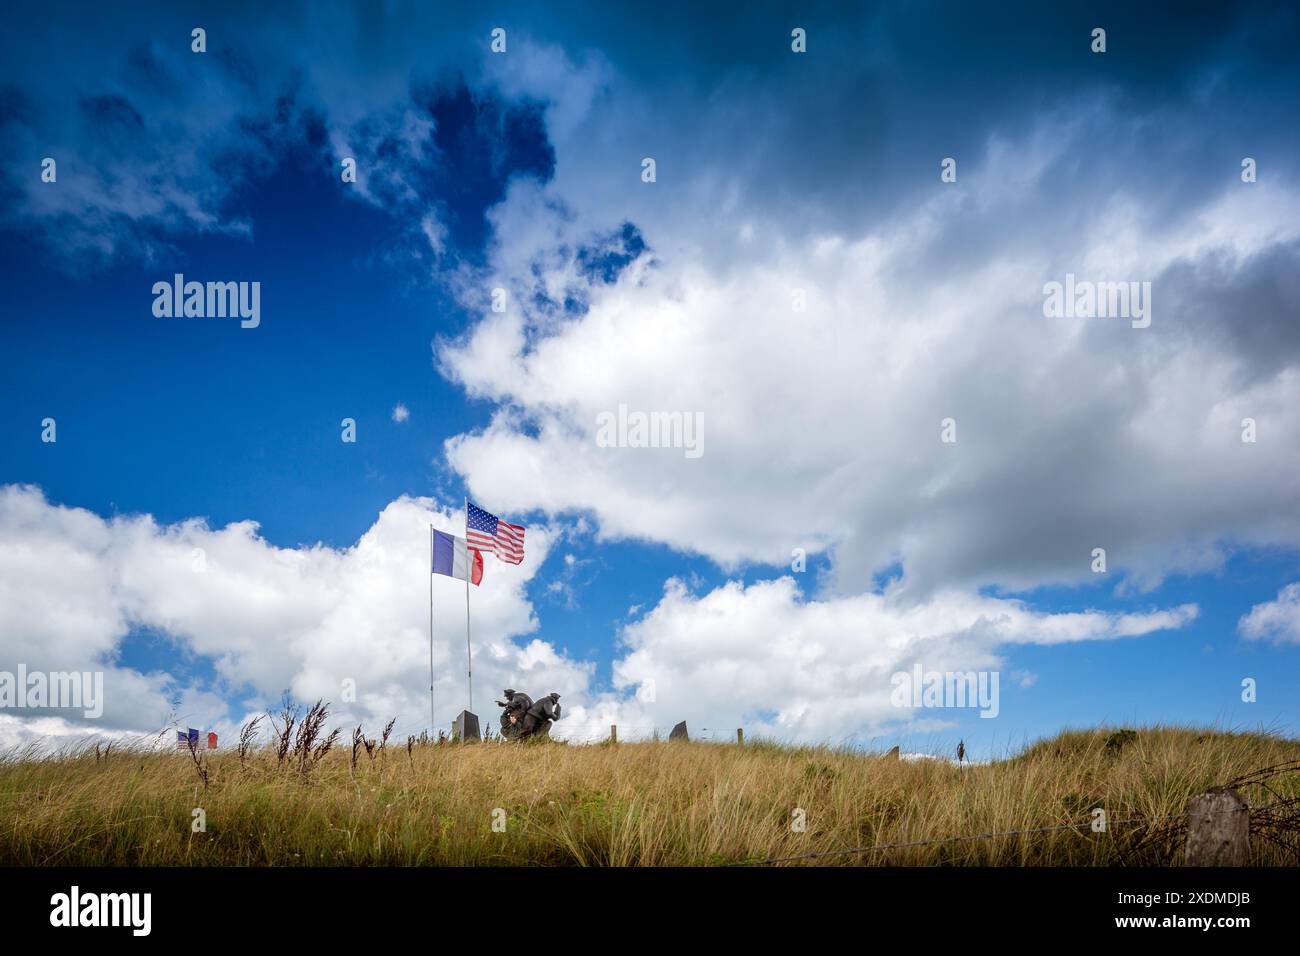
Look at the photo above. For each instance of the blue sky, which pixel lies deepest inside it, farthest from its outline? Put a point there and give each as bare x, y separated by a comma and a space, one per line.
775, 171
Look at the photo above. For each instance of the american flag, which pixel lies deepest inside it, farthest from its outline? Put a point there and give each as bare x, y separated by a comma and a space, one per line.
487, 532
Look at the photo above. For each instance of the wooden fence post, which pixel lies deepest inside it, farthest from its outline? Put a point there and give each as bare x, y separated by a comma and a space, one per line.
1218, 829
740, 736
613, 733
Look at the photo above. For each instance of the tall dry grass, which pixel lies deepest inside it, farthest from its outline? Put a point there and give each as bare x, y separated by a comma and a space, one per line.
298, 801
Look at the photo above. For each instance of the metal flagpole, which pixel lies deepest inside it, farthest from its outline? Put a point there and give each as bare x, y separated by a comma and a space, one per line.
469, 662
432, 725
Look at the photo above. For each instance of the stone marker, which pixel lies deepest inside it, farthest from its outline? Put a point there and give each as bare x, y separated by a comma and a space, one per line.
465, 727
679, 732
1218, 829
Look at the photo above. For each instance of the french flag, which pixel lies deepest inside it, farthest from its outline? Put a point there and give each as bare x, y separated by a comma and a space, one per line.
454, 558
188, 739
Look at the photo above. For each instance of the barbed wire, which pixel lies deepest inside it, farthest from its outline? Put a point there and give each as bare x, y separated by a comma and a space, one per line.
978, 836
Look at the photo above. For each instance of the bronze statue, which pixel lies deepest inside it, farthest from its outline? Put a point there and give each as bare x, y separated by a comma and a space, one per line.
522, 718
516, 705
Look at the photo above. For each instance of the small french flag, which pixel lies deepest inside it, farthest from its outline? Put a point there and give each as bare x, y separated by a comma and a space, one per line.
189, 738
454, 558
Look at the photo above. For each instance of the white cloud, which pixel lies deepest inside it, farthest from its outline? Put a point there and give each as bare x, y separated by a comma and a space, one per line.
1277, 621
823, 426
53, 732
538, 69
762, 658
73, 584
401, 413
305, 619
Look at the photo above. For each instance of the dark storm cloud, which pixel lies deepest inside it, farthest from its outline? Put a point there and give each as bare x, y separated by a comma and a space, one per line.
154, 140
857, 126
1251, 308
850, 132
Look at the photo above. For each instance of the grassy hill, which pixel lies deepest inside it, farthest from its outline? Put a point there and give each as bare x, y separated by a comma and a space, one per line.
298, 802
